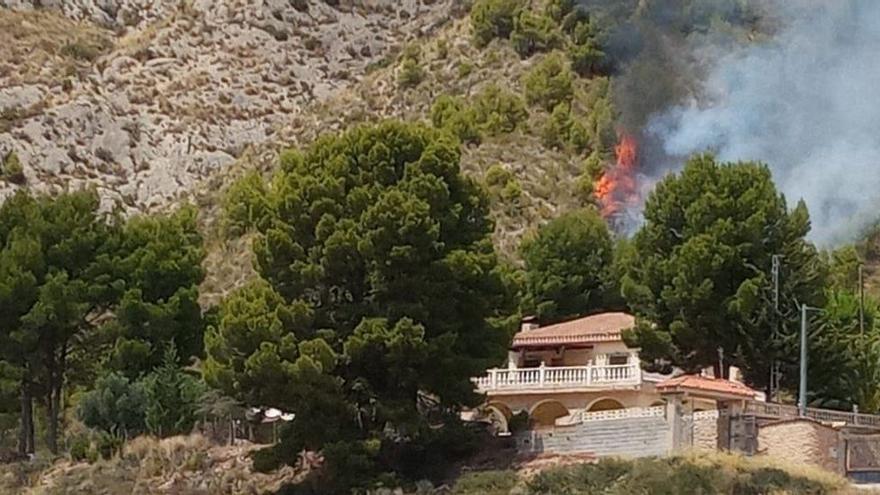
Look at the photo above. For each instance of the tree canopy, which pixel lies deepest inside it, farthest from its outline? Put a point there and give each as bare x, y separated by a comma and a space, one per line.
569, 267
701, 267
380, 289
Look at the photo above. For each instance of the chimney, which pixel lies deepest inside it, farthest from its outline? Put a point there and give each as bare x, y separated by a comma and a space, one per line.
528, 323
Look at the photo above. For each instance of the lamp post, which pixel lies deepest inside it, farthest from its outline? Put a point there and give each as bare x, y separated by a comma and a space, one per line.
802, 389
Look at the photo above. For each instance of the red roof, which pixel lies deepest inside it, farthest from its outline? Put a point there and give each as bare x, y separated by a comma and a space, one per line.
602, 327
699, 383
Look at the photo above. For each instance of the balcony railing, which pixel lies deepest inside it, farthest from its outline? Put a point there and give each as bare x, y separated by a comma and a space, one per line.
559, 377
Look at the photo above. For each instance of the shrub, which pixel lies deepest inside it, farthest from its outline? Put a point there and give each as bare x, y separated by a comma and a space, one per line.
465, 69
485, 483
79, 448
585, 51
600, 123
12, 170
266, 460
499, 111
108, 445
411, 73
492, 19
558, 9
497, 176
454, 115
116, 406
562, 130
554, 133
549, 83
533, 33
172, 397
442, 49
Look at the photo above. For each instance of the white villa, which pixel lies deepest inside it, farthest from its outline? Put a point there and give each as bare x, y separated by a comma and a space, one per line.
580, 370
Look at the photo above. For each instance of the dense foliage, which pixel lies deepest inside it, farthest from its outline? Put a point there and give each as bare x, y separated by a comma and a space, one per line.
380, 296
569, 267
702, 262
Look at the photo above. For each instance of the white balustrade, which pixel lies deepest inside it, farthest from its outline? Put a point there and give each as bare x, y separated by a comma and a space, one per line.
559, 377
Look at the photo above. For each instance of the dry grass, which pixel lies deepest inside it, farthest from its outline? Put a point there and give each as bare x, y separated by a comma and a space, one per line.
44, 47
182, 465
685, 474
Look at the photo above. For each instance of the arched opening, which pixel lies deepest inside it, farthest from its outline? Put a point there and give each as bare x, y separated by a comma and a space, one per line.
657, 403
546, 413
499, 416
604, 404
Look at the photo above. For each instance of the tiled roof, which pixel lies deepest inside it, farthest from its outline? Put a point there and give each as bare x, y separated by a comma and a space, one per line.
697, 383
602, 327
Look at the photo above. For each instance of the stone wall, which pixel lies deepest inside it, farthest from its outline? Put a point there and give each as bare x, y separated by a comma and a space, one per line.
705, 433
802, 441
628, 437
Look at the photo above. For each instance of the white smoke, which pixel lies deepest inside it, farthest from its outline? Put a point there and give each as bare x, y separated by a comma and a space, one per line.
807, 103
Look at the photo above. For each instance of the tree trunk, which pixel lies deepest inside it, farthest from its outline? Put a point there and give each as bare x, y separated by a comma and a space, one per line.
25, 437
51, 403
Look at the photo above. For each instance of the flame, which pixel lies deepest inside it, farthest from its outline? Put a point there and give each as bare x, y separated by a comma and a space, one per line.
616, 190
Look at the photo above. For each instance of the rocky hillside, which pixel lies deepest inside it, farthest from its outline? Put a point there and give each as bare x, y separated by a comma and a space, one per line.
146, 99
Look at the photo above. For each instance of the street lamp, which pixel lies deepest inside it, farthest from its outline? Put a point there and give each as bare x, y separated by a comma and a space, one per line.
802, 389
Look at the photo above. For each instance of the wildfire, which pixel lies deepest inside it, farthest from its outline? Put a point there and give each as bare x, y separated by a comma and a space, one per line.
616, 189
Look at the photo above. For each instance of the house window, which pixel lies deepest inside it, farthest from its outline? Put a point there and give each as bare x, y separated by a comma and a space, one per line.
618, 359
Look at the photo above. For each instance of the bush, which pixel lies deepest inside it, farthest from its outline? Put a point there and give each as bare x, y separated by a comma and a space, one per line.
534, 33
601, 121
554, 133
558, 9
494, 111
486, 483
116, 406
12, 169
499, 111
684, 475
492, 19
172, 397
454, 115
107, 445
411, 73
585, 52
549, 83
266, 460
497, 176
562, 130
79, 448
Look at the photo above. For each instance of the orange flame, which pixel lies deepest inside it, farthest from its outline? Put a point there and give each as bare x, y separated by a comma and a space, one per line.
616, 189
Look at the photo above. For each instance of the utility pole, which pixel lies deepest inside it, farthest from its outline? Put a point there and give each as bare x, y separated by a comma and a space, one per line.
861, 300
720, 362
771, 388
802, 389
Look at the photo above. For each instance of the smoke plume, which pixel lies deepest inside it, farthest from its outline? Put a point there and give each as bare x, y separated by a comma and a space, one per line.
803, 100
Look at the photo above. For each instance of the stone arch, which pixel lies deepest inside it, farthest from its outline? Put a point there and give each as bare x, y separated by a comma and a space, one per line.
499, 416
546, 412
605, 404
657, 403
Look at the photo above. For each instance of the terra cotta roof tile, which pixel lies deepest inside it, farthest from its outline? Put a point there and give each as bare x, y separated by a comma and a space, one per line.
698, 383
602, 327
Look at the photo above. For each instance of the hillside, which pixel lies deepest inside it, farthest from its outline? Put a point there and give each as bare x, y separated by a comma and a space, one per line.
144, 100
174, 103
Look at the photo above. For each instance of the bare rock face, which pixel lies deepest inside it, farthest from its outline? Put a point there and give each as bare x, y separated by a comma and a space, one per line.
146, 98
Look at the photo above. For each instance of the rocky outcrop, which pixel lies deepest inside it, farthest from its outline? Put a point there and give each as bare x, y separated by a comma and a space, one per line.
175, 91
